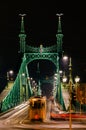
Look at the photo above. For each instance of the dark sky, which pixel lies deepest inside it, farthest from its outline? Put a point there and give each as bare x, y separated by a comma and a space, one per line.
41, 27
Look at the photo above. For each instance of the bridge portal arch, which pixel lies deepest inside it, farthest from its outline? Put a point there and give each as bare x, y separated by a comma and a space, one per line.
52, 53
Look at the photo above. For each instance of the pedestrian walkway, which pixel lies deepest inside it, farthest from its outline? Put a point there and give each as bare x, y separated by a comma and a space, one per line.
6, 90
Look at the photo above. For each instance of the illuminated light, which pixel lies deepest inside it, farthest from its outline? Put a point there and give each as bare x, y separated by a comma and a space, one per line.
31, 78
55, 74
77, 79
64, 79
60, 71
20, 106
65, 58
36, 116
55, 78
23, 74
33, 81
28, 78
11, 71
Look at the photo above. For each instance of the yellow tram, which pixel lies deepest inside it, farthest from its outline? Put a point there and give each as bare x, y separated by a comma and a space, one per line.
37, 108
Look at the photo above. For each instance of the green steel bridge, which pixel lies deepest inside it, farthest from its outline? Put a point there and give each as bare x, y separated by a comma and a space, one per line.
22, 89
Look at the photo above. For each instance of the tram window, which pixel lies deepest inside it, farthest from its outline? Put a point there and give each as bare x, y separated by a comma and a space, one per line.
37, 104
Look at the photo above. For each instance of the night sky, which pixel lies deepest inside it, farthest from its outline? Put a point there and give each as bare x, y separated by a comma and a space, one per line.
41, 27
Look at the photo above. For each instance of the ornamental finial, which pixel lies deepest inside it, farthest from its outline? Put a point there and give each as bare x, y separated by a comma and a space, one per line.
59, 23
22, 22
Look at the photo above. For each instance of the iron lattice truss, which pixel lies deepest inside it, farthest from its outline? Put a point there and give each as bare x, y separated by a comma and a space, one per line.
53, 57
50, 49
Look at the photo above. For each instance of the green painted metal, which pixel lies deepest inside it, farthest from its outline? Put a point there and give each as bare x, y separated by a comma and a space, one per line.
22, 35
17, 94
21, 89
59, 35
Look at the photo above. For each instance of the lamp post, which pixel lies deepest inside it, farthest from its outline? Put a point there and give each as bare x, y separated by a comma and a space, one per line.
10, 76
70, 85
23, 79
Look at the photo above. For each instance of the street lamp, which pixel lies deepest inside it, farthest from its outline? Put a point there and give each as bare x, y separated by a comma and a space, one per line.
77, 79
64, 79
23, 85
70, 85
10, 76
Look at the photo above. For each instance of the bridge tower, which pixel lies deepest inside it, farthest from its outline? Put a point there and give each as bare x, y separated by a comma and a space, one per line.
52, 53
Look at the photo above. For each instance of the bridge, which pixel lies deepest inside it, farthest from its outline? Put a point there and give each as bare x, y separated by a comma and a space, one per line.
22, 89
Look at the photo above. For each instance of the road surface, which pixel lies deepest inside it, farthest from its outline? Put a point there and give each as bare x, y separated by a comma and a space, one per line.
17, 119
